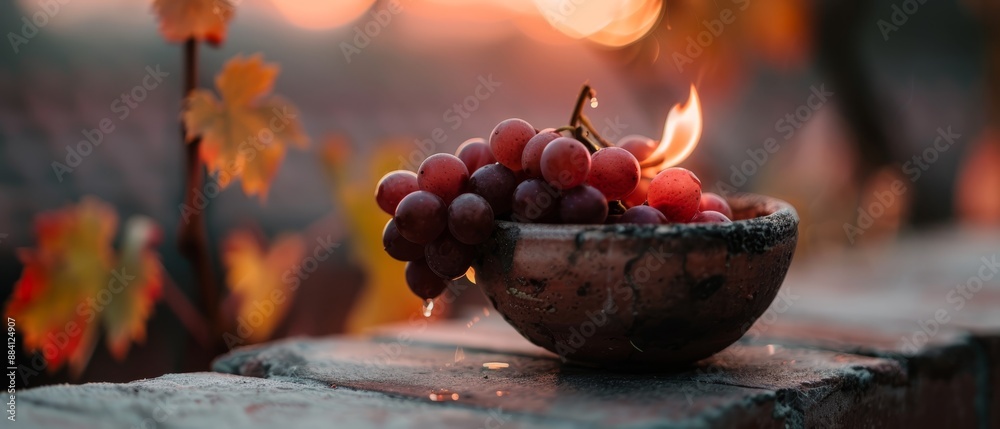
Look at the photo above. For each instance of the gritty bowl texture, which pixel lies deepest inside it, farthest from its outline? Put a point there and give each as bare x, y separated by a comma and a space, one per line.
643, 297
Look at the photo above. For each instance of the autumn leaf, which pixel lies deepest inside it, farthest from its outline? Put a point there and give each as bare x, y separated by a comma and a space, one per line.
140, 279
245, 133
206, 20
255, 275
386, 297
69, 283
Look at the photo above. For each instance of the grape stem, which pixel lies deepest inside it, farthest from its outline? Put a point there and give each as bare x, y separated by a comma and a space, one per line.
593, 131
579, 121
586, 93
616, 207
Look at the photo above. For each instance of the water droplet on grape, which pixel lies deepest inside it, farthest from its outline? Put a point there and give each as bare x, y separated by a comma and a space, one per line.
593, 102
428, 307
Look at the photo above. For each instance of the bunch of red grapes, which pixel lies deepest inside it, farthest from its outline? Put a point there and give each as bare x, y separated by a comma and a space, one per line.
524, 175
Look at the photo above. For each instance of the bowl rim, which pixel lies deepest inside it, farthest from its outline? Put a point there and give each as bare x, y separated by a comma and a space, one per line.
771, 213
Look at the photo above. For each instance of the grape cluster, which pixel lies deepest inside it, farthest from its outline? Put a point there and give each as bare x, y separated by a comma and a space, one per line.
524, 175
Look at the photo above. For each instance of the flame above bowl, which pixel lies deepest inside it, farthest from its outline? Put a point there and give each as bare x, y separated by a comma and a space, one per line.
639, 296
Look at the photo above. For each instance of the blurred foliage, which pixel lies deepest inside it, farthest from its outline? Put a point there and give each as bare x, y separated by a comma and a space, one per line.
244, 134
353, 176
204, 20
73, 280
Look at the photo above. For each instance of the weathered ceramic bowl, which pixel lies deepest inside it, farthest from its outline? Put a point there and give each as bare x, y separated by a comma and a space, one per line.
639, 296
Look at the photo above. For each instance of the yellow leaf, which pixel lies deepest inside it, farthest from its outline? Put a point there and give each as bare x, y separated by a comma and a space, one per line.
386, 297
256, 276
138, 283
71, 282
245, 133
205, 20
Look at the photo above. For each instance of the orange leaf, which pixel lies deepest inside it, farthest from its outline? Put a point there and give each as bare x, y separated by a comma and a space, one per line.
245, 133
137, 283
181, 20
59, 295
256, 277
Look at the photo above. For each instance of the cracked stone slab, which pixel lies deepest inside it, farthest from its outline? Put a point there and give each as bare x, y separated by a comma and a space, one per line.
751, 386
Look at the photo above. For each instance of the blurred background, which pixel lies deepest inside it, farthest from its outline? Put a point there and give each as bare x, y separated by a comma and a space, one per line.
832, 105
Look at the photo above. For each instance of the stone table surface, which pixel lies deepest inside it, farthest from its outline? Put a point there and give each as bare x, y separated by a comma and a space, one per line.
885, 337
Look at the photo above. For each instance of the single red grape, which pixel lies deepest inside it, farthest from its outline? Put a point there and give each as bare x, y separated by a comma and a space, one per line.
475, 153
641, 147
496, 184
421, 217
565, 163
710, 216
470, 219
535, 201
643, 215
676, 192
448, 257
583, 205
422, 281
444, 175
508, 139
638, 196
531, 158
714, 202
398, 247
393, 187
614, 172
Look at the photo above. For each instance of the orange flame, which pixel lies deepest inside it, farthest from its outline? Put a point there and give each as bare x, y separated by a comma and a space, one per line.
681, 133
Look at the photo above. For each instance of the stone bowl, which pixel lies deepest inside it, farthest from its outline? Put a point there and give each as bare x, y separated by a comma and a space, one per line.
641, 297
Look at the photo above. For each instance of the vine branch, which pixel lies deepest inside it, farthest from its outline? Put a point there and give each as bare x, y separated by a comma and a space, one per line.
193, 239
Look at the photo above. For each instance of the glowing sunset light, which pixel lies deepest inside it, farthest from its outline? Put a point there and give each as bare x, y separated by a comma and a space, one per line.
681, 133
611, 23
634, 21
321, 14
